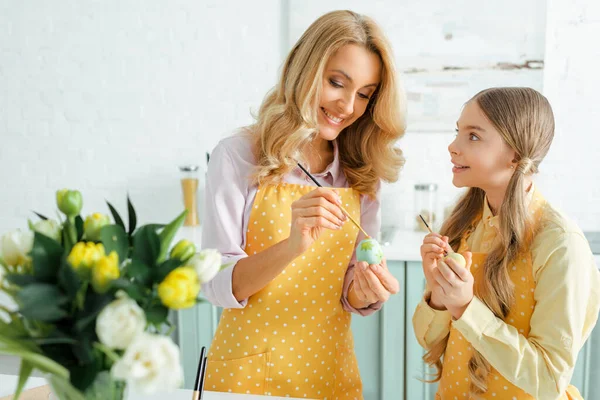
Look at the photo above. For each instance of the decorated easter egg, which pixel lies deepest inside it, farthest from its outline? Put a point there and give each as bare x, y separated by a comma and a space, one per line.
370, 251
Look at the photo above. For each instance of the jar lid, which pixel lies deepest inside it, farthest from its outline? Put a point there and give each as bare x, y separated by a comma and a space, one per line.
188, 168
429, 187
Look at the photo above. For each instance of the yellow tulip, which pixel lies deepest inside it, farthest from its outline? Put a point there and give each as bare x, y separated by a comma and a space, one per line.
105, 270
93, 224
84, 255
180, 288
183, 250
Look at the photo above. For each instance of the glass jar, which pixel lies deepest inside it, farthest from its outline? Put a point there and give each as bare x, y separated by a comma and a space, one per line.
426, 206
189, 187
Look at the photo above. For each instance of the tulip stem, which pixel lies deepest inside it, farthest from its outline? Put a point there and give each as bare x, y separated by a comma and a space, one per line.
72, 230
114, 357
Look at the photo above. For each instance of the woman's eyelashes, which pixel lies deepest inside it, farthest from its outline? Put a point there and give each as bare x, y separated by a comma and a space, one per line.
335, 84
338, 85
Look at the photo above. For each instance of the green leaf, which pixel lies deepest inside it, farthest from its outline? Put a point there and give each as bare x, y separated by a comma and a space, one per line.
85, 355
68, 280
58, 340
132, 216
139, 272
134, 291
168, 233
157, 314
40, 215
39, 361
104, 387
155, 227
20, 279
116, 216
146, 246
63, 388
94, 303
46, 255
165, 268
24, 373
12, 330
42, 302
79, 227
113, 237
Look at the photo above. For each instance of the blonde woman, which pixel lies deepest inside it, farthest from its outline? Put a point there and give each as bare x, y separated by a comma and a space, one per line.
293, 283
510, 324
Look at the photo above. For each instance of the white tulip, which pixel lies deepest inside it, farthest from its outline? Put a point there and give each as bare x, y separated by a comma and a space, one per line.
206, 263
50, 228
120, 322
150, 364
15, 247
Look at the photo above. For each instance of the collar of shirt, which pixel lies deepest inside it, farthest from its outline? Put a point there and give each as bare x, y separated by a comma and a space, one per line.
491, 220
333, 169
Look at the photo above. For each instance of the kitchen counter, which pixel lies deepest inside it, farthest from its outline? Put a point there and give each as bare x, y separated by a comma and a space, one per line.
9, 382
401, 245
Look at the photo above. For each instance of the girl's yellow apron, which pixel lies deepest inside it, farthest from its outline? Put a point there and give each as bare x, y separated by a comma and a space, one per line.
293, 337
455, 374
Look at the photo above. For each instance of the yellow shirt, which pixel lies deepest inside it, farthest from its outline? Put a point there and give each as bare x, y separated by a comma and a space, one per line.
567, 301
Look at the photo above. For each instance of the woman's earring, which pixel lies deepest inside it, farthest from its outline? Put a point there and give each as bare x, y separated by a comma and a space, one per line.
512, 167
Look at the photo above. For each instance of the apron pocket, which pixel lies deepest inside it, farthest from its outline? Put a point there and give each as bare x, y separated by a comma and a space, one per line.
246, 375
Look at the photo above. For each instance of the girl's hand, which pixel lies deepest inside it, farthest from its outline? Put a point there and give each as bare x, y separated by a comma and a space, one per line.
311, 214
456, 283
374, 283
432, 251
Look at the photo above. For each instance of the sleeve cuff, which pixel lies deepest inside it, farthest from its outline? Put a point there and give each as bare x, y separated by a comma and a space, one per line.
219, 290
475, 320
430, 324
371, 309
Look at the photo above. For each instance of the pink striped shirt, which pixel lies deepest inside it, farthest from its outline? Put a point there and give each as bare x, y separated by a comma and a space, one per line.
228, 201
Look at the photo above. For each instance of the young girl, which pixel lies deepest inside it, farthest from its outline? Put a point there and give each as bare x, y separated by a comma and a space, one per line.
285, 330
510, 324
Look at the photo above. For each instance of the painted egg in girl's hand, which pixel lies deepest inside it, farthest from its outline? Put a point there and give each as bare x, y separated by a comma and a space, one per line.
369, 250
458, 258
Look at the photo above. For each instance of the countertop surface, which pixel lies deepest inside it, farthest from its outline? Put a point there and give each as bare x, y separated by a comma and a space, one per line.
398, 245
8, 384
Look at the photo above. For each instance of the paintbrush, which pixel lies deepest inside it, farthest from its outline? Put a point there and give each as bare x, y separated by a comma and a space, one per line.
346, 213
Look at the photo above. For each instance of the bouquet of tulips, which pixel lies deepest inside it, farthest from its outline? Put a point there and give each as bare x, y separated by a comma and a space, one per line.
92, 299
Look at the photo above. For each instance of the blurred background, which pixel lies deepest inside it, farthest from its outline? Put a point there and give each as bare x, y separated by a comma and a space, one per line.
111, 96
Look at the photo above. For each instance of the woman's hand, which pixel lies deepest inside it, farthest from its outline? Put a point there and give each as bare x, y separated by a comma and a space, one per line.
373, 283
311, 214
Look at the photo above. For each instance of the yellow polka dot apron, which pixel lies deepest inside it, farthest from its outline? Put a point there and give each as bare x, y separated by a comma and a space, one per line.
454, 383
293, 338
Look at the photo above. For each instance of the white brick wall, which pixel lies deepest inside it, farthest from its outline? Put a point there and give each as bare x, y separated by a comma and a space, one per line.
572, 84
112, 96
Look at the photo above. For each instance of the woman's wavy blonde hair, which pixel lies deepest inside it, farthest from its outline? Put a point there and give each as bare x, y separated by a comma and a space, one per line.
287, 119
524, 119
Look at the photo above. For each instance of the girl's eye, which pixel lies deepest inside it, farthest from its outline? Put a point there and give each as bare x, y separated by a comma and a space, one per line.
363, 96
473, 137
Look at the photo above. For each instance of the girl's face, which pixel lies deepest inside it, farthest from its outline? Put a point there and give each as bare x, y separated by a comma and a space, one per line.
349, 80
480, 156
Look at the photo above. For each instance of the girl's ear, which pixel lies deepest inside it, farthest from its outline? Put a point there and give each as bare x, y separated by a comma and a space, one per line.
515, 159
